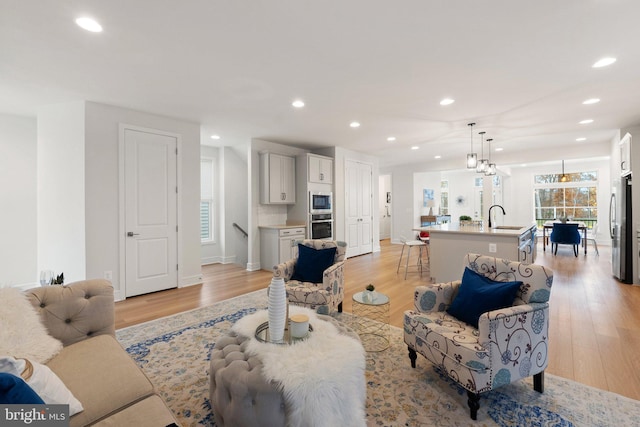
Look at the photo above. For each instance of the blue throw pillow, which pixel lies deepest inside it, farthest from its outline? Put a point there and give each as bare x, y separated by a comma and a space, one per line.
478, 294
13, 391
312, 263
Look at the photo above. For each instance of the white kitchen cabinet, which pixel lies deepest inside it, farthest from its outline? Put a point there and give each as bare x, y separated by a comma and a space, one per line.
277, 245
625, 155
320, 169
278, 179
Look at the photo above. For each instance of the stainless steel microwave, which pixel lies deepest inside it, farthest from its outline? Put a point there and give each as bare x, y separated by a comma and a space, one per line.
320, 202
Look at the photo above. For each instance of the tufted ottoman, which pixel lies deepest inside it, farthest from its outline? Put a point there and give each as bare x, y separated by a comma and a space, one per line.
240, 396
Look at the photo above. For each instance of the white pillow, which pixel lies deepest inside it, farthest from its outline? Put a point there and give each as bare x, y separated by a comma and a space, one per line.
22, 334
43, 381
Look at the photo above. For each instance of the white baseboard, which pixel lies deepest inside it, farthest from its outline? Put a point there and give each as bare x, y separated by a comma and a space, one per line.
253, 266
218, 260
189, 280
117, 295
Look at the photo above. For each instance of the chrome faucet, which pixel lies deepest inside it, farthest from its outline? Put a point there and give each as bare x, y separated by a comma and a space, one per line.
493, 206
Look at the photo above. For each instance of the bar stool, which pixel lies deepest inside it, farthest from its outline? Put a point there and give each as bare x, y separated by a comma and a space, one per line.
410, 244
424, 237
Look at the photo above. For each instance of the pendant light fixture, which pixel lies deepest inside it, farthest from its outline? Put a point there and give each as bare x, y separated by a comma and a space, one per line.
472, 158
563, 177
483, 163
491, 167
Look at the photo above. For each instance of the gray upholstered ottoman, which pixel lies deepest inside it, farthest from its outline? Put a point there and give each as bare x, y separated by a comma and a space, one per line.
240, 396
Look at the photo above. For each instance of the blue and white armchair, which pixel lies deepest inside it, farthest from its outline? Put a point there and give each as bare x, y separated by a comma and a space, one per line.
509, 343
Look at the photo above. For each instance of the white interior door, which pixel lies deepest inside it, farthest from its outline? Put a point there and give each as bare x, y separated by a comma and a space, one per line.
359, 232
150, 212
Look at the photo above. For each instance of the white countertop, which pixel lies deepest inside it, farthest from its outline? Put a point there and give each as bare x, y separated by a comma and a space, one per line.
282, 226
477, 229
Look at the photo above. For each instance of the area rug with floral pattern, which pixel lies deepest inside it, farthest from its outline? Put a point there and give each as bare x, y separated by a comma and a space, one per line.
174, 353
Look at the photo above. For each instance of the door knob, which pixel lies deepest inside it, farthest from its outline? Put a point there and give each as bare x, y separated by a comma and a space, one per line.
131, 234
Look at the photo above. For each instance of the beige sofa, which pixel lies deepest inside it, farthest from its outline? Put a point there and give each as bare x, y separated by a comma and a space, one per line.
92, 364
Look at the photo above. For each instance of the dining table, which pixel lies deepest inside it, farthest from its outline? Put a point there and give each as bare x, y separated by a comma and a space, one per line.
548, 225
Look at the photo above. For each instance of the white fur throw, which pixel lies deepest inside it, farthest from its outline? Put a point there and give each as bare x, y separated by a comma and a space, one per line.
322, 377
22, 334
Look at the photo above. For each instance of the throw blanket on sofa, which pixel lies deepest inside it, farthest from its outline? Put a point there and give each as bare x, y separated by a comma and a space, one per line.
322, 377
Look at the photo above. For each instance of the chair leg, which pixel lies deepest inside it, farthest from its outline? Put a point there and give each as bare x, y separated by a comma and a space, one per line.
474, 404
400, 260
406, 265
595, 245
340, 308
538, 382
412, 356
575, 250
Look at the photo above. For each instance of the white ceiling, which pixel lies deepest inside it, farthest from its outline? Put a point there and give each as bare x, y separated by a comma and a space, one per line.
519, 69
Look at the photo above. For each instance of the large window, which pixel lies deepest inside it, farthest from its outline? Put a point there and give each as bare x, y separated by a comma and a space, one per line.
207, 217
444, 197
574, 198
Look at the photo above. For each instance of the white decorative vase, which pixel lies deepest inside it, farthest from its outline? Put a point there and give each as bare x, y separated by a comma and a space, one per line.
277, 309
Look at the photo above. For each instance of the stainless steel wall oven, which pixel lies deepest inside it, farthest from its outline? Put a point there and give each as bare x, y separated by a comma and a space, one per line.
321, 226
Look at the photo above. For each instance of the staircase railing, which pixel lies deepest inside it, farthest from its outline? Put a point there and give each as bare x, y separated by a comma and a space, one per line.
241, 230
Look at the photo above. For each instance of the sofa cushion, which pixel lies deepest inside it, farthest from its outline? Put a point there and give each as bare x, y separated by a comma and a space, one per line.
446, 337
151, 412
478, 294
43, 381
102, 376
312, 263
14, 391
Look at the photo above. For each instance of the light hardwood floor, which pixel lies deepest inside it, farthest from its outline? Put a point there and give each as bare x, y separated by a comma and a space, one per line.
594, 335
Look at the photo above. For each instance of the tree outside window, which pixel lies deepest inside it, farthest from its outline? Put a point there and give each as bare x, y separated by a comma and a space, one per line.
576, 198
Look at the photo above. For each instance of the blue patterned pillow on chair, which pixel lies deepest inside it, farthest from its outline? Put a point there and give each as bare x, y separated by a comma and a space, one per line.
478, 294
312, 263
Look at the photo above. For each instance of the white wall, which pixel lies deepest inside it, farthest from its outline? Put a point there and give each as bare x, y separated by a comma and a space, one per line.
422, 181
102, 172
61, 193
18, 219
236, 206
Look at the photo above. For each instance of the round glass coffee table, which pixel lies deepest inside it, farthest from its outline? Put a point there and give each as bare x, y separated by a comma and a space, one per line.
371, 319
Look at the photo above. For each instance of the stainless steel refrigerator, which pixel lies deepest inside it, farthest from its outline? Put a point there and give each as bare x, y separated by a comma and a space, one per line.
620, 230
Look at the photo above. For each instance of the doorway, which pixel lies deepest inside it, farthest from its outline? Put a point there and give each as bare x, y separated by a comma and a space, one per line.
148, 210
385, 206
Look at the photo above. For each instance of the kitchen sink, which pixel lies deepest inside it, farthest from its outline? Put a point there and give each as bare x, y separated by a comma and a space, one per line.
508, 227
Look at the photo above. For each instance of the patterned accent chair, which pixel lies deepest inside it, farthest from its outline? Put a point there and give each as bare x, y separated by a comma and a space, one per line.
509, 344
324, 297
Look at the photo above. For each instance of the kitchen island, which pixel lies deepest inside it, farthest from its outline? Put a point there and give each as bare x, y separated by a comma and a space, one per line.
450, 242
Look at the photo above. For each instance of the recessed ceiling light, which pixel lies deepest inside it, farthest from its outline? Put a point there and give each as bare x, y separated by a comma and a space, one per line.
415, 147
354, 124
391, 138
586, 122
582, 138
447, 101
499, 149
215, 136
591, 101
298, 103
89, 24
437, 157
604, 62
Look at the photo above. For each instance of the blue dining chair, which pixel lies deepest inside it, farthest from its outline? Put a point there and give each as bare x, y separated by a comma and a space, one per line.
565, 234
